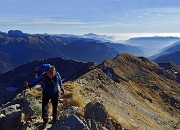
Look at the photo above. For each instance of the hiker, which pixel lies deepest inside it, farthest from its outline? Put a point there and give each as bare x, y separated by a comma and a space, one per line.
50, 80
42, 69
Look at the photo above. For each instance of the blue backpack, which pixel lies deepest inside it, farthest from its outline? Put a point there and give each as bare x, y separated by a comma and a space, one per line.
42, 69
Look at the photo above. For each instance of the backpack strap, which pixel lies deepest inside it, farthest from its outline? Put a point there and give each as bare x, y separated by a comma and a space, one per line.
43, 78
57, 76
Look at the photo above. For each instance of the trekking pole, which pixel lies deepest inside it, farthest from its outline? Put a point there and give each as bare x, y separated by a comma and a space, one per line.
23, 100
64, 101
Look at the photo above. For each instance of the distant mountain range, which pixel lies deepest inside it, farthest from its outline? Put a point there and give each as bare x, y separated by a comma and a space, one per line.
172, 57
170, 49
152, 45
121, 48
103, 38
169, 54
17, 48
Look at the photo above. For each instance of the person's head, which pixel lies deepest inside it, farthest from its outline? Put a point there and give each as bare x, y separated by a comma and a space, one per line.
51, 72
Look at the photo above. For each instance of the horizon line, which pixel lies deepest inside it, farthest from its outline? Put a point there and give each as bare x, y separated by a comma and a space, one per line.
118, 36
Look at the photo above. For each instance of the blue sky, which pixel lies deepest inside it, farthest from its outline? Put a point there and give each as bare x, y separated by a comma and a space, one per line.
116, 17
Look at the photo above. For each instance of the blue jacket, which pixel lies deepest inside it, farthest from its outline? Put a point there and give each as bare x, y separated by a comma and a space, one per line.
50, 86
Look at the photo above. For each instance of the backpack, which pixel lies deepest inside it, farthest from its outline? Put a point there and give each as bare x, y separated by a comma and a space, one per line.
41, 69
44, 67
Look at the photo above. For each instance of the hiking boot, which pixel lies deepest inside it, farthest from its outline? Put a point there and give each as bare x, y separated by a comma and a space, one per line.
44, 125
53, 121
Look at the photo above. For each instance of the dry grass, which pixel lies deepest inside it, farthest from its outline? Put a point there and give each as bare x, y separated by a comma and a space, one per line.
75, 94
35, 93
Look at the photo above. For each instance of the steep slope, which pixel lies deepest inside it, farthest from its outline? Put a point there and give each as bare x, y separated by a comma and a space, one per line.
4, 66
133, 105
168, 50
162, 82
172, 57
172, 48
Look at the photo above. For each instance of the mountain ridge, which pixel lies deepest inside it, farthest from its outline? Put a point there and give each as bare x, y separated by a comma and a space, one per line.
171, 57
137, 92
39, 46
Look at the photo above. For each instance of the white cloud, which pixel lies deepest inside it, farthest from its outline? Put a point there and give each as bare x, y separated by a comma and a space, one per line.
43, 21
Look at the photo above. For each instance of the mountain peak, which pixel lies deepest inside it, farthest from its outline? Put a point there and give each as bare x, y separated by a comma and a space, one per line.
90, 34
16, 33
130, 59
124, 55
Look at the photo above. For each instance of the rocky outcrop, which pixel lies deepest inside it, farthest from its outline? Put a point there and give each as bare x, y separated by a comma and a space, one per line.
72, 122
96, 111
16, 33
98, 118
10, 109
11, 118
95, 118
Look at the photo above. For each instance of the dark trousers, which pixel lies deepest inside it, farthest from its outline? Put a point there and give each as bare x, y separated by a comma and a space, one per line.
45, 100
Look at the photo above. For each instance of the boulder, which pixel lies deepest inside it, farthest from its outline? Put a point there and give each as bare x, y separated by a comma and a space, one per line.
11, 109
71, 122
12, 117
96, 111
98, 119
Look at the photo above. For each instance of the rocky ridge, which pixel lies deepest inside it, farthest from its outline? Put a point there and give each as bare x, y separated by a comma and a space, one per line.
126, 92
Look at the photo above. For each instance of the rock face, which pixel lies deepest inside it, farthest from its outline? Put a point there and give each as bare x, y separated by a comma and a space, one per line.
12, 117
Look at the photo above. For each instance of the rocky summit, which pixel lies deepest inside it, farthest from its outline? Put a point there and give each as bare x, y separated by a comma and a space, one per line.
123, 93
